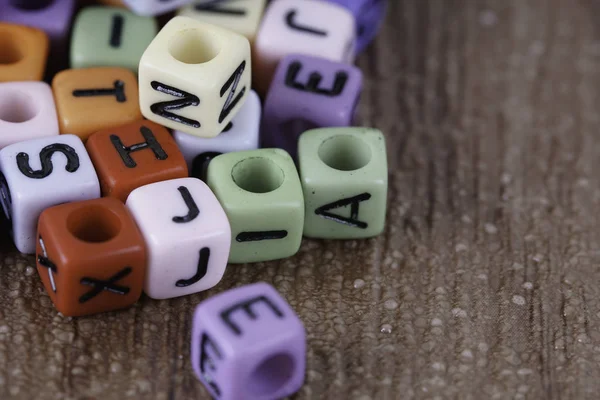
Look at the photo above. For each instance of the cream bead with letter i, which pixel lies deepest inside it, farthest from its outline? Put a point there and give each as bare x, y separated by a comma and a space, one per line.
194, 77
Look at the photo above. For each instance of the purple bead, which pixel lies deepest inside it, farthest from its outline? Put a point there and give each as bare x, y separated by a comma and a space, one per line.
306, 93
248, 344
369, 15
51, 16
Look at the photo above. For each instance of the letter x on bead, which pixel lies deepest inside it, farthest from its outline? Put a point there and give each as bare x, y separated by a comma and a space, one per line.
108, 285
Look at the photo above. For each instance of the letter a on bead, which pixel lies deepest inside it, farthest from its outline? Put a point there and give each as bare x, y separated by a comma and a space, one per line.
353, 202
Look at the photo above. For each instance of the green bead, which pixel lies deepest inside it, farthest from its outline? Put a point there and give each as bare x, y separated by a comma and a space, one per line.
110, 37
261, 193
344, 179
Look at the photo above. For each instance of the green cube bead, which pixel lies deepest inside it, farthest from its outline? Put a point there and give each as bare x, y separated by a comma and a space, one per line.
110, 37
261, 193
344, 179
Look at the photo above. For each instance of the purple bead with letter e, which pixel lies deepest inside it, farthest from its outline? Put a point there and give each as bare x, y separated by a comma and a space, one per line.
369, 15
248, 344
306, 93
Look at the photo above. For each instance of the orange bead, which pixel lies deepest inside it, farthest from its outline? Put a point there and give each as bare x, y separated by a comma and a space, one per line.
92, 99
23, 53
91, 256
134, 155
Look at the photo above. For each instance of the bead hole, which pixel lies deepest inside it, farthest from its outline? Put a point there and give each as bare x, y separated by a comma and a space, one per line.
257, 175
94, 224
345, 153
271, 375
11, 52
18, 107
193, 46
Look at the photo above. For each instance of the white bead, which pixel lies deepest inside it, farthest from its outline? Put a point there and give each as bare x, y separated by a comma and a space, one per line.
180, 219
242, 17
310, 27
154, 7
194, 77
65, 175
242, 135
27, 111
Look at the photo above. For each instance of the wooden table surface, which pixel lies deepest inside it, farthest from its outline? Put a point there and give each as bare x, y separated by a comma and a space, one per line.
486, 283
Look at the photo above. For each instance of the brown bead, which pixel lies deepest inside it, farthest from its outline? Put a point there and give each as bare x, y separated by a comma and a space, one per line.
91, 99
23, 53
91, 256
134, 155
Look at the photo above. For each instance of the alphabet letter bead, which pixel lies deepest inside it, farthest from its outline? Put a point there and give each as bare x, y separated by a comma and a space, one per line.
90, 256
92, 99
154, 7
27, 111
187, 236
369, 15
248, 344
241, 134
134, 155
262, 196
242, 17
41, 173
304, 27
110, 37
23, 53
52, 17
344, 179
308, 92
194, 77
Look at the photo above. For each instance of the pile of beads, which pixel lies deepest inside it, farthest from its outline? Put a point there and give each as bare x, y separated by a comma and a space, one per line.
113, 203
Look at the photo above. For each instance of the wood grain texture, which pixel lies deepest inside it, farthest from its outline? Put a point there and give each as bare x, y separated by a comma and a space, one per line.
486, 282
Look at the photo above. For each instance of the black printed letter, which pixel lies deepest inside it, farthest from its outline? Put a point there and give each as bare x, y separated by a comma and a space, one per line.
200, 272
290, 21
118, 91
46, 161
314, 80
150, 143
164, 108
193, 210
353, 202
213, 7
206, 341
232, 82
246, 306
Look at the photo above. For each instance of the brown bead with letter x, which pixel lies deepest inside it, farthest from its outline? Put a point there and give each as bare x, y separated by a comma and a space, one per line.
91, 256
134, 155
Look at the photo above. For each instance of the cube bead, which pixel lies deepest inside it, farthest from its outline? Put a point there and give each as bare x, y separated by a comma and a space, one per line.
194, 77
40, 173
154, 7
92, 99
110, 37
344, 179
90, 256
187, 236
241, 133
311, 27
23, 53
27, 111
248, 344
242, 17
134, 155
369, 16
262, 196
308, 92
52, 17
